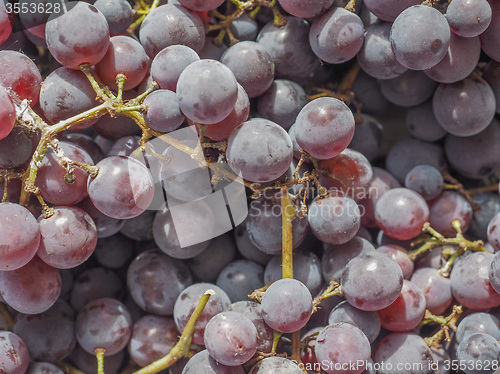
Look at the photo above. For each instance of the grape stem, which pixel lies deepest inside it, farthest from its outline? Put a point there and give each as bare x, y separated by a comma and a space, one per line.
453, 184
8, 318
333, 289
182, 348
436, 239
446, 323
99, 354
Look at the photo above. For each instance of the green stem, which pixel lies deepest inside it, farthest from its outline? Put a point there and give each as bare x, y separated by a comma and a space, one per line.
276, 339
288, 213
120, 82
99, 354
182, 348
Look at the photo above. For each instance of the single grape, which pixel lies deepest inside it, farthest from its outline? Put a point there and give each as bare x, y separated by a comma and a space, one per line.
152, 338
155, 281
490, 206
368, 138
37, 331
211, 97
139, 228
7, 113
118, 13
31, 289
422, 124
158, 31
436, 288
19, 236
407, 311
405, 350
371, 281
400, 255
56, 185
470, 283
230, 338
169, 63
252, 66
287, 305
478, 350
247, 248
408, 89
324, 127
103, 323
203, 363
464, 108
413, 45
68, 237
164, 113
388, 10
244, 28
201, 6
125, 55
401, 213
337, 35
305, 9
334, 219
478, 322
340, 345
14, 355
123, 187
426, 180
275, 365
489, 41
114, 252
77, 33
259, 150
469, 18
240, 278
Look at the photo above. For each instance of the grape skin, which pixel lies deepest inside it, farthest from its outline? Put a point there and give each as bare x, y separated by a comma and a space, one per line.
14, 356
478, 348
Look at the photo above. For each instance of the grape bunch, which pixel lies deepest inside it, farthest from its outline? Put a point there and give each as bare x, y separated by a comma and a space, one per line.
249, 186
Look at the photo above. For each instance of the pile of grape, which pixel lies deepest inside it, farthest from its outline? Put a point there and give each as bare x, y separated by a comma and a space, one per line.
249, 186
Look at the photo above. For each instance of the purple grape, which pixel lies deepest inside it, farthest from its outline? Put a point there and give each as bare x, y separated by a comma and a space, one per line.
371, 281
388, 10
37, 331
209, 98
259, 150
124, 146
367, 138
240, 278
87, 143
43, 368
164, 113
469, 18
231, 338
77, 33
103, 323
401, 213
155, 281
15, 149
414, 46
287, 305
470, 283
201, 6
106, 226
340, 345
203, 363
334, 219
403, 350
188, 300
324, 127
275, 365
400, 255
31, 289
446, 208
490, 206
123, 188
152, 338
118, 13
422, 124
139, 228
495, 273
436, 288
244, 28
19, 236
480, 352
247, 249
406, 312
337, 35
491, 75
252, 66
305, 9
489, 41
408, 89
68, 237
157, 32
14, 355
426, 180
464, 108
478, 322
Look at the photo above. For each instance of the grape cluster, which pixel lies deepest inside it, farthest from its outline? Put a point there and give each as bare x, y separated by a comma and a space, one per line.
249, 186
